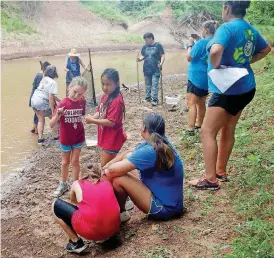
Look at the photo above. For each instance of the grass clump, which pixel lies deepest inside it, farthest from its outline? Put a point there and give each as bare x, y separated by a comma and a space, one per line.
12, 20
126, 39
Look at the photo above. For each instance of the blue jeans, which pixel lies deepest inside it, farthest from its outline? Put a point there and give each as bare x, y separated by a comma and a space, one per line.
152, 82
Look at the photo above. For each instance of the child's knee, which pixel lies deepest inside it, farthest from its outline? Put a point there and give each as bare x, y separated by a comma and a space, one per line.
75, 162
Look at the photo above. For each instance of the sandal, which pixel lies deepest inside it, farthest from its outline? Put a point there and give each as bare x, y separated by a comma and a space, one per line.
189, 132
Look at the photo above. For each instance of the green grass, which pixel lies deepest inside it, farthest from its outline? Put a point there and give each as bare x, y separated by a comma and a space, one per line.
107, 10
125, 39
267, 32
12, 20
250, 191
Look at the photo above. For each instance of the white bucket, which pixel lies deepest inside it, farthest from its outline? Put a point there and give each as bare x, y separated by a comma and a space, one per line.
172, 100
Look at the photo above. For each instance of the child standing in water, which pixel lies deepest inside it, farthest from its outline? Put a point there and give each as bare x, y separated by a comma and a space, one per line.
109, 117
69, 112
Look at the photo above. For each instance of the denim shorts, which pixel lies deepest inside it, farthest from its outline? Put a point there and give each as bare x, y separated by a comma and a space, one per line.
160, 212
68, 148
112, 152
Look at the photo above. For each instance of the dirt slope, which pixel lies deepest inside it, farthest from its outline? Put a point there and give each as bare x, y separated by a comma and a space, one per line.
62, 25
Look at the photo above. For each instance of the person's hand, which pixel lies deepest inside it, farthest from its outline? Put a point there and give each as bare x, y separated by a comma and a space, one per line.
190, 41
66, 70
160, 66
89, 119
138, 59
60, 111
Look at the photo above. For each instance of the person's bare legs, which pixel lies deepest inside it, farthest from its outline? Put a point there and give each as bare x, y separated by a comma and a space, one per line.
41, 124
192, 100
75, 162
215, 119
53, 129
201, 109
226, 143
106, 157
130, 185
69, 231
65, 165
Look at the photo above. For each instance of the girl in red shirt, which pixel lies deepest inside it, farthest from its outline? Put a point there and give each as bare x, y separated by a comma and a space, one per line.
109, 117
93, 213
69, 113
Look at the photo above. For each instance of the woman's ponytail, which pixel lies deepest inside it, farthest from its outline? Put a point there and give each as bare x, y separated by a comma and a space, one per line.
165, 157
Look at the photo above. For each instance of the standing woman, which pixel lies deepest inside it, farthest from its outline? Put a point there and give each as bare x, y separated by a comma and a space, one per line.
73, 63
35, 85
44, 100
236, 44
197, 87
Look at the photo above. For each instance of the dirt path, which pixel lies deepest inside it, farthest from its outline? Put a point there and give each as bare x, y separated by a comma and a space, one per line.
28, 228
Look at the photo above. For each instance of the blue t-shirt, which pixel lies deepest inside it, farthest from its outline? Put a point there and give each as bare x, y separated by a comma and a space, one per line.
152, 55
166, 186
197, 70
240, 41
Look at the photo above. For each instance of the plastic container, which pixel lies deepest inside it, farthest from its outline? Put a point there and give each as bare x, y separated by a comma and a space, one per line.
172, 100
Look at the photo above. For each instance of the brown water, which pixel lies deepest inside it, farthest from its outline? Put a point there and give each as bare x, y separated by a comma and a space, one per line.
16, 81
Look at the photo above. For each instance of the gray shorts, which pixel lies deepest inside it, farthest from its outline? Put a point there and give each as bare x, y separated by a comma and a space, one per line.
44, 113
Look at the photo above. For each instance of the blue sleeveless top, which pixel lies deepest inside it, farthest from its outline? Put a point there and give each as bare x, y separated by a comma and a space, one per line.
74, 69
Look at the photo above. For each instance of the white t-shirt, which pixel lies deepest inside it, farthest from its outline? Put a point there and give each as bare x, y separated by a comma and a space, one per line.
40, 98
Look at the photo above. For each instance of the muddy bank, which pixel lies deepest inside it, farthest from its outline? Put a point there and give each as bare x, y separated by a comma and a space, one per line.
28, 228
93, 48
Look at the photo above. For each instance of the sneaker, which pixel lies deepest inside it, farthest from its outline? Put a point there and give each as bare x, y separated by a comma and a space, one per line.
197, 129
190, 132
204, 184
124, 216
146, 100
56, 138
41, 141
77, 247
154, 104
61, 189
129, 205
222, 177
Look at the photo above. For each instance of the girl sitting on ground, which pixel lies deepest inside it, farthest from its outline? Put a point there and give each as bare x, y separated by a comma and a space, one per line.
72, 134
93, 213
159, 191
109, 117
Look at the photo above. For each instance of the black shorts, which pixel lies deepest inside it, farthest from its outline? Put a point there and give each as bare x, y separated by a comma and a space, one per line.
191, 88
64, 211
233, 104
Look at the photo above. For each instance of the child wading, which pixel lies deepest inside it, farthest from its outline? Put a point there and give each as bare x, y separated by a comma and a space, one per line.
72, 134
109, 117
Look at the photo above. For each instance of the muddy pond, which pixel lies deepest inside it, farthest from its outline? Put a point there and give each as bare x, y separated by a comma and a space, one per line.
16, 81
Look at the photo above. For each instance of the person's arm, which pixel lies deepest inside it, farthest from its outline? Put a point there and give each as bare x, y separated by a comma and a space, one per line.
118, 169
104, 122
257, 57
76, 195
52, 102
119, 157
96, 115
82, 64
190, 45
216, 52
56, 98
59, 112
140, 59
163, 58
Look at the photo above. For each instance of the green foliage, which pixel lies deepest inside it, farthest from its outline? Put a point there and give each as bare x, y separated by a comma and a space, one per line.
186, 8
12, 20
261, 12
125, 39
134, 6
107, 10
